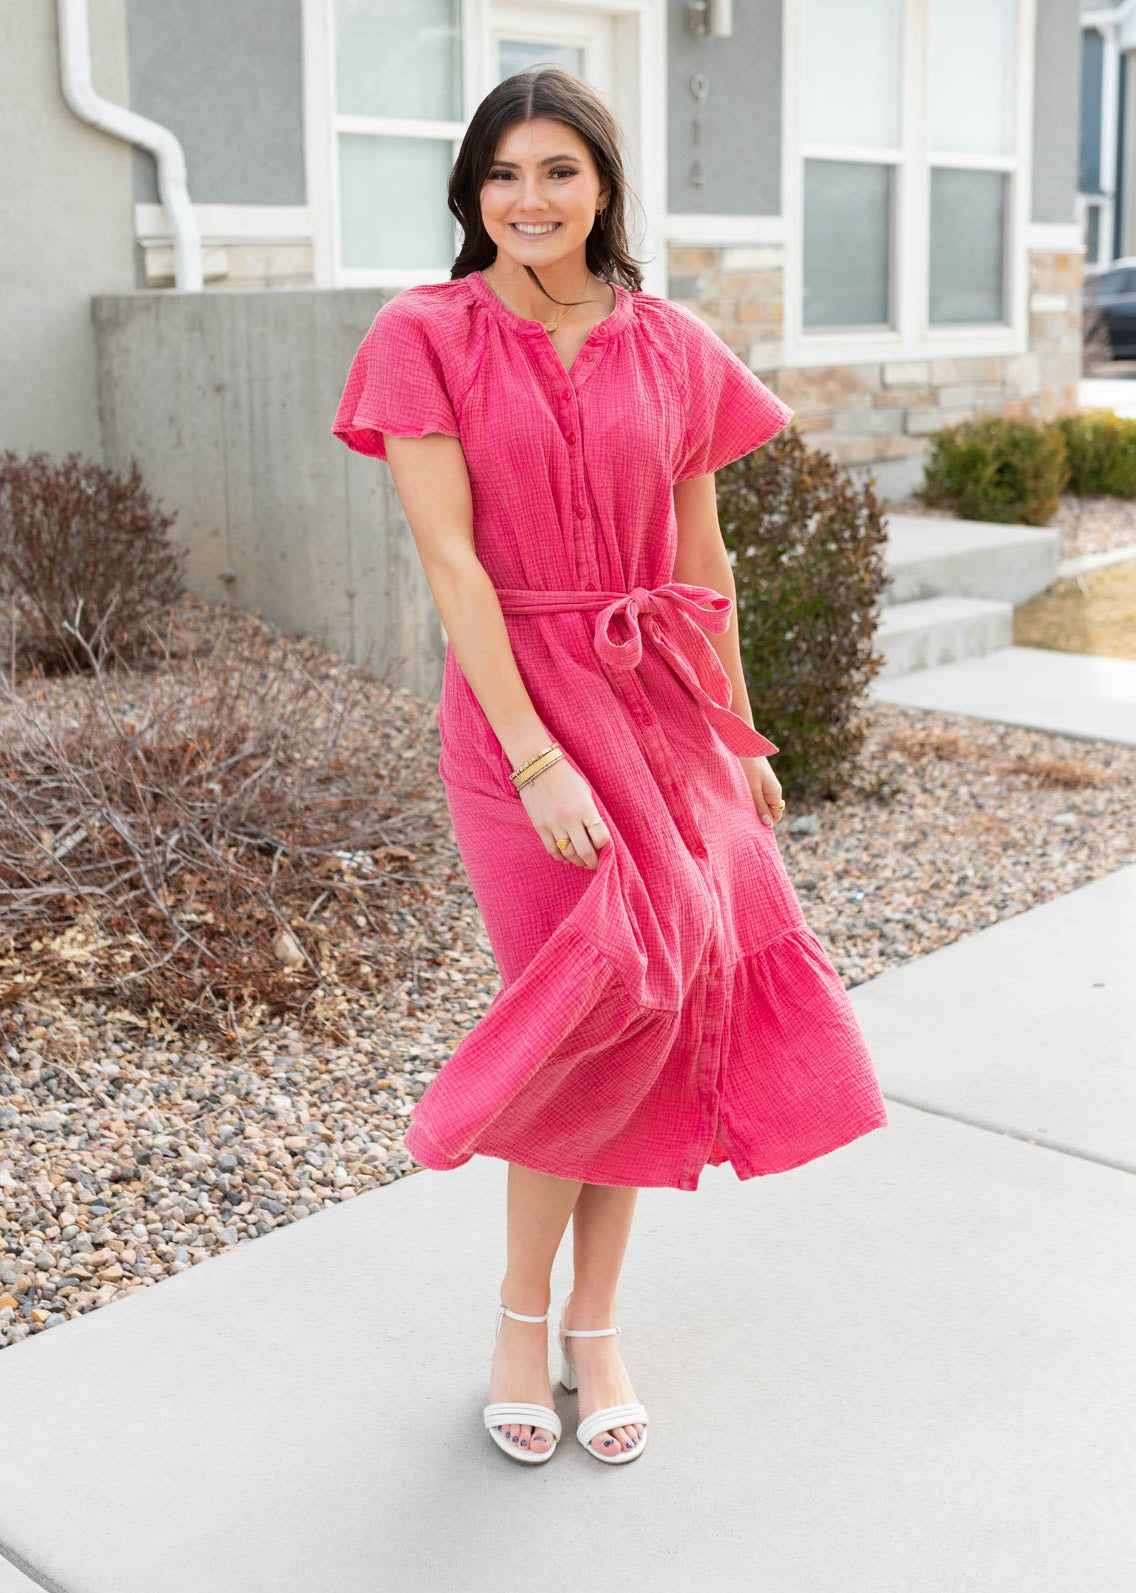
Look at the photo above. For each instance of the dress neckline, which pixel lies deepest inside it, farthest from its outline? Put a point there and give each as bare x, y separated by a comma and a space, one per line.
615, 318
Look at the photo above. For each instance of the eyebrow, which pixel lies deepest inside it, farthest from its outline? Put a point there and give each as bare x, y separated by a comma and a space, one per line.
546, 162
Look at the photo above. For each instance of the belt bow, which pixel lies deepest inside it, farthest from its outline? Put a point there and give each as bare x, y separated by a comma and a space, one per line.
674, 617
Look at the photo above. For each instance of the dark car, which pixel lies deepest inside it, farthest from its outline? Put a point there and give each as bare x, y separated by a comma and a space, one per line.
1110, 296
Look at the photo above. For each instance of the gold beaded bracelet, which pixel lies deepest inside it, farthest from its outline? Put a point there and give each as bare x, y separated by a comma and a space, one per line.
529, 771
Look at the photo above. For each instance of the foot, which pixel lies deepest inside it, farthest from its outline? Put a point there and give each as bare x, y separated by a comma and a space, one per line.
602, 1376
520, 1372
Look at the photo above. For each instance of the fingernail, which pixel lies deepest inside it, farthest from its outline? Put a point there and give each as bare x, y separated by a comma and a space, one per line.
765, 819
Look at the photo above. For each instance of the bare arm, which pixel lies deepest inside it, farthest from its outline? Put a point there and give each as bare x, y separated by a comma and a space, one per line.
433, 486
432, 482
701, 559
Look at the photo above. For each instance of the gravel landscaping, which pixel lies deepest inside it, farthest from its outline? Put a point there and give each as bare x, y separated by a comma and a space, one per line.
130, 1151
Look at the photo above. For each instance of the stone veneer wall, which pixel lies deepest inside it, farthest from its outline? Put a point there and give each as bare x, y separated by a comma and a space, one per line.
236, 265
878, 414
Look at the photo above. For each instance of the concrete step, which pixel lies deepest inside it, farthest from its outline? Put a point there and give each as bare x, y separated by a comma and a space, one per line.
1067, 694
941, 630
928, 557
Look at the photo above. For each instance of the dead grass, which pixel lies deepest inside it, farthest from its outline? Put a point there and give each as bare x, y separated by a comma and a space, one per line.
925, 744
1094, 612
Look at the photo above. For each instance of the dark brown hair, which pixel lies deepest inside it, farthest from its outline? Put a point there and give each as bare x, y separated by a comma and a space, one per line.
562, 97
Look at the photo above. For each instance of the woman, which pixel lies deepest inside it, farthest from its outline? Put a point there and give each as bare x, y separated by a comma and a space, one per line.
553, 432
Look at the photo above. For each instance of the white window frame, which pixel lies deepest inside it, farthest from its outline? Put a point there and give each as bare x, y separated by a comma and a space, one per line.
913, 336
639, 71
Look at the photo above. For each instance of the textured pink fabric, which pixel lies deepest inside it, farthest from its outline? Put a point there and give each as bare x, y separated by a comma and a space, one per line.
670, 1008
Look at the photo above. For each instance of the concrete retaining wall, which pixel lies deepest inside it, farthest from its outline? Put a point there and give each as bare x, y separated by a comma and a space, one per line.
227, 399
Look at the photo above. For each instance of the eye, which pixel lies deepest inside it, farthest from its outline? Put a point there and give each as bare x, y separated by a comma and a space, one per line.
557, 171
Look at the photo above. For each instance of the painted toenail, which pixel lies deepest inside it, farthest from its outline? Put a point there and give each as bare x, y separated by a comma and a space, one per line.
608, 1442
524, 1442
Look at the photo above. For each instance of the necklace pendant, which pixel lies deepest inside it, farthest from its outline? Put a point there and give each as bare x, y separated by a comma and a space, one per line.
551, 326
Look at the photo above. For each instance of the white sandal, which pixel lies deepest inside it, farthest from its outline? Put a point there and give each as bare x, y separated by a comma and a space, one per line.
503, 1412
611, 1415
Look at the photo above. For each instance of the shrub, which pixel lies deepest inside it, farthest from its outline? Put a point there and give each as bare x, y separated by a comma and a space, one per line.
81, 547
995, 468
1101, 449
806, 545
206, 838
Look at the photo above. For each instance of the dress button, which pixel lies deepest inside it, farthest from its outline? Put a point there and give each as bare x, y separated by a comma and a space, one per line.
570, 437
580, 511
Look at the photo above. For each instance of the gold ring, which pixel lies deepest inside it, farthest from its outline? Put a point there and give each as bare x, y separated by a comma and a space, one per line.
563, 840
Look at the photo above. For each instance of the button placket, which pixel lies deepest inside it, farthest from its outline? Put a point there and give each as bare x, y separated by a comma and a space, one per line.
585, 553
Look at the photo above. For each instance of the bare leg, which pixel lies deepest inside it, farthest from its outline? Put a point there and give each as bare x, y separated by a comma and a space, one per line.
601, 1224
538, 1210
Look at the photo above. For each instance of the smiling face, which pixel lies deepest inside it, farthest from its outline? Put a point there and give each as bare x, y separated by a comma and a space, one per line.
543, 175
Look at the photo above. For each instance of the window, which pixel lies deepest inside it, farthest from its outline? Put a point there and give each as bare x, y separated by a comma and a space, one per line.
852, 146
973, 114
398, 123
911, 159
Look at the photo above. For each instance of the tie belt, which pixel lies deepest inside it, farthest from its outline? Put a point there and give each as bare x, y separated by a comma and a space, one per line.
674, 617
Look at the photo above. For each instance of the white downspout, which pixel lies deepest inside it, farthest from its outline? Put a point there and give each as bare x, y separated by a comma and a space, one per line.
75, 76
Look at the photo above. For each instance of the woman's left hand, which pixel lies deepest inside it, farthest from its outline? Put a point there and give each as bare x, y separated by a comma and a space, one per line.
766, 789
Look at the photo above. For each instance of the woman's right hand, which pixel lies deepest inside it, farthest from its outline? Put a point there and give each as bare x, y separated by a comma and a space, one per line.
559, 802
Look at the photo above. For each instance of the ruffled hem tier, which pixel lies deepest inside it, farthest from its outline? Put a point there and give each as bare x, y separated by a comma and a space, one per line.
571, 1074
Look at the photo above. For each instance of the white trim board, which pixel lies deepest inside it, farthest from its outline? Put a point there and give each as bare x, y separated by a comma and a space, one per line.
695, 231
1055, 237
229, 223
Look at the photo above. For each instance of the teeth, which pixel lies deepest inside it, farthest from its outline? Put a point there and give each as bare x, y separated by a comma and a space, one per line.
535, 232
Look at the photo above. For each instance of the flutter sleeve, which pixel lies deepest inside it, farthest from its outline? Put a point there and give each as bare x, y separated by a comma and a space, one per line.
395, 383
729, 410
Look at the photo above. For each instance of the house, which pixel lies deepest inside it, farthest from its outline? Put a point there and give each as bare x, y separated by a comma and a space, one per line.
1106, 183
874, 202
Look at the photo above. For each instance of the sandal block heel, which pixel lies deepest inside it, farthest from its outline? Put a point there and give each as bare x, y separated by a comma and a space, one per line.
611, 1415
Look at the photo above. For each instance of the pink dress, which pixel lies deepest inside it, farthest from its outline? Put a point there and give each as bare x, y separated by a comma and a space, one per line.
671, 1007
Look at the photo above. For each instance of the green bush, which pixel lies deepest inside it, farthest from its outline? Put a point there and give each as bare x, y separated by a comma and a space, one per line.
806, 544
1101, 449
995, 468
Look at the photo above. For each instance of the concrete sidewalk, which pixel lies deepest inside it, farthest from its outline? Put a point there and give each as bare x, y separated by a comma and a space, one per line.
1075, 694
904, 1367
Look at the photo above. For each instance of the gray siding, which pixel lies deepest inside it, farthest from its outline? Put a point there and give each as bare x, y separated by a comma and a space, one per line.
1056, 109
65, 202
228, 80
1092, 88
741, 117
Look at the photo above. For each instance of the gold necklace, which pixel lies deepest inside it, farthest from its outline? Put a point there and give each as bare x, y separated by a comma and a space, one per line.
551, 326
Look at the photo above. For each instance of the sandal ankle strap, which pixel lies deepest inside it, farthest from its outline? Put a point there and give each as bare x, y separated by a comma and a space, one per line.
584, 1333
518, 1316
